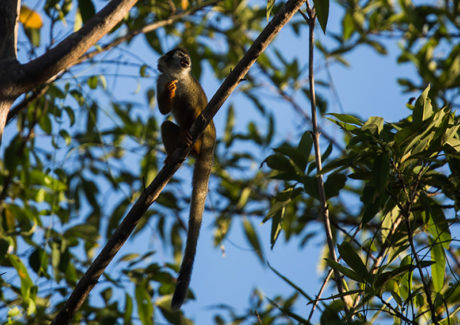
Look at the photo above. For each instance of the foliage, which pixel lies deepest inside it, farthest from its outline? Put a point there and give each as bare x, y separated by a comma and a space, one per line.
83, 148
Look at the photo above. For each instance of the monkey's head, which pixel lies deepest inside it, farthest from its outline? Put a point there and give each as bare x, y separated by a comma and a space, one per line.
176, 62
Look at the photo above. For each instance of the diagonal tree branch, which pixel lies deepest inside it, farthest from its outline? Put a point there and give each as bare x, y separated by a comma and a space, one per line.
67, 52
150, 194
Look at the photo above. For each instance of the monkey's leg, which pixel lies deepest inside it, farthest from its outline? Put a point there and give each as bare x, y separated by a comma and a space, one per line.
170, 135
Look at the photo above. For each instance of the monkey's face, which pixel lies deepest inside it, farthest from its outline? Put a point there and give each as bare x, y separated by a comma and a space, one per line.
176, 62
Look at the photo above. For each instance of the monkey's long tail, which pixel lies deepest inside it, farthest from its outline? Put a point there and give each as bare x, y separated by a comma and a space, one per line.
200, 181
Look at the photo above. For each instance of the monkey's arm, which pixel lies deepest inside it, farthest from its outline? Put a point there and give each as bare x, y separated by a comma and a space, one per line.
204, 152
166, 91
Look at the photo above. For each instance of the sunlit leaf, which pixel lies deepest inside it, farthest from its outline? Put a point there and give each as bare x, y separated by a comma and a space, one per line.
438, 269
30, 18
253, 239
144, 303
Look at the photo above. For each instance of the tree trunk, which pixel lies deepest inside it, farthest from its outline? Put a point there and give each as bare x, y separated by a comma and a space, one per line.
9, 13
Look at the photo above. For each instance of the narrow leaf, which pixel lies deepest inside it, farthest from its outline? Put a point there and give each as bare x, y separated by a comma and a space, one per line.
438, 269
322, 12
348, 254
252, 238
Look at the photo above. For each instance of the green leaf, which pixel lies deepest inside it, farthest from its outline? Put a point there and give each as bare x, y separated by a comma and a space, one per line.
38, 261
438, 226
26, 281
115, 217
347, 118
70, 114
87, 9
423, 108
334, 183
286, 311
92, 82
253, 239
106, 295
348, 26
128, 257
310, 184
280, 163
11, 157
322, 12
102, 81
298, 157
348, 254
270, 5
128, 309
45, 124
4, 245
304, 150
66, 136
276, 225
229, 126
406, 285
374, 124
344, 270
143, 71
326, 153
144, 303
381, 172
83, 231
438, 269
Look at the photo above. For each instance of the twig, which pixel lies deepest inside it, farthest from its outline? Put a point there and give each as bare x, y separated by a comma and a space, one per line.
149, 195
318, 296
326, 280
406, 213
311, 19
23, 104
395, 311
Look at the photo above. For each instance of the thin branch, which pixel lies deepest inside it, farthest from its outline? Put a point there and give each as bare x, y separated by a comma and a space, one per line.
406, 211
23, 104
320, 292
149, 195
395, 311
311, 19
326, 280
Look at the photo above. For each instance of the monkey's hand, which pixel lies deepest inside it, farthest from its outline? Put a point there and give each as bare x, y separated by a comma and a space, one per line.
171, 88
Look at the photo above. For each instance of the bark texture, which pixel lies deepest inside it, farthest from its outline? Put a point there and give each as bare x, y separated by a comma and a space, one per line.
16, 78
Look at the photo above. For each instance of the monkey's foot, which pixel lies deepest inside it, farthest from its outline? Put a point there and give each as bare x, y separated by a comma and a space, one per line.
187, 137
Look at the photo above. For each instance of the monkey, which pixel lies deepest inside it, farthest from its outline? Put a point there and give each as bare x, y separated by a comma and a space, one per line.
181, 94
